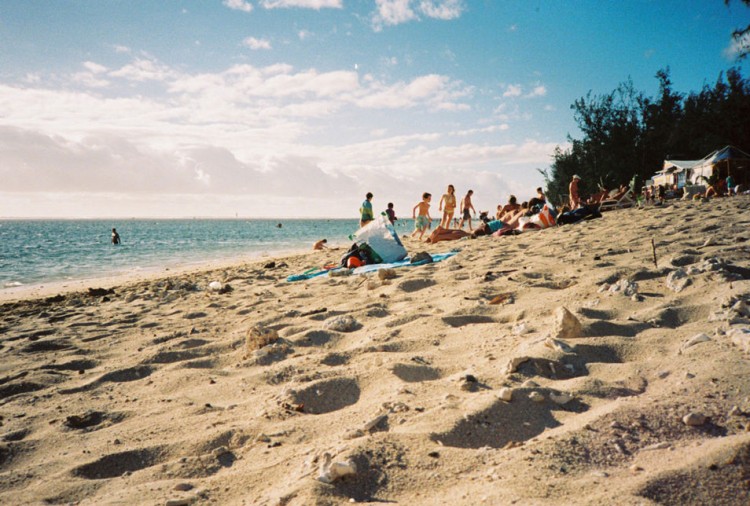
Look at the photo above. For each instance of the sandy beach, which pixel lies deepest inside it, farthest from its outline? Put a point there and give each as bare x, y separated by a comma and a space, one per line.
605, 362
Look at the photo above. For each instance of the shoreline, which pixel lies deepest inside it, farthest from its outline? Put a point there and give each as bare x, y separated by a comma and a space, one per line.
64, 287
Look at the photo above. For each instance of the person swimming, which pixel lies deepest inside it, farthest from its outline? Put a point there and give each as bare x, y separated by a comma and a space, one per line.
115, 236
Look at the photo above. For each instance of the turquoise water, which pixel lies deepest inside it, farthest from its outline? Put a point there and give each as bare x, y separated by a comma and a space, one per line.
39, 251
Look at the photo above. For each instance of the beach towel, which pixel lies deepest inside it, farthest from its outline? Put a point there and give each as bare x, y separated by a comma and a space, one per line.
406, 262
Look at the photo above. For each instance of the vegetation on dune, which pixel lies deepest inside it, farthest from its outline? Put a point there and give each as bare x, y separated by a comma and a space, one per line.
627, 134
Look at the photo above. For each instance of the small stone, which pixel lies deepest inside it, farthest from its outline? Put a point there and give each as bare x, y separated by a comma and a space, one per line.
677, 280
375, 422
384, 274
343, 323
258, 337
561, 398
694, 419
353, 434
215, 286
506, 394
530, 383
566, 325
536, 397
558, 345
513, 364
187, 501
696, 339
183, 487
330, 471
635, 468
221, 450
689, 375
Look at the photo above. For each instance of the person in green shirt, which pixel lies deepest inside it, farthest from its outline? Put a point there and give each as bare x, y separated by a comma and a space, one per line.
365, 212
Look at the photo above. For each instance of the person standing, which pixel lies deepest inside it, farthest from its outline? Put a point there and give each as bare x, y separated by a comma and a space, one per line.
730, 185
115, 237
365, 212
466, 209
449, 199
391, 213
422, 220
575, 199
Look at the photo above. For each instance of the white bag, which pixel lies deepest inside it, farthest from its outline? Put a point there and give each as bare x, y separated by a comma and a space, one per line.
381, 237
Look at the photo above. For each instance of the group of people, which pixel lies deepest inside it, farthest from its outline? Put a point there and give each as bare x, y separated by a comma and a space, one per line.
421, 211
452, 226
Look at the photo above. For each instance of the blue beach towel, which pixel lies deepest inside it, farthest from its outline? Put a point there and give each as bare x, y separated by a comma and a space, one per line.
309, 274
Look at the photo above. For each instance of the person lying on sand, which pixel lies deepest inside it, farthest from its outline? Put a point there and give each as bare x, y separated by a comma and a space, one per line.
446, 234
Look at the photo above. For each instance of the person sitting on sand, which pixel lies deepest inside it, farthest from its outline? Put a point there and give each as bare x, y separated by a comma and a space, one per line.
423, 219
540, 195
446, 234
321, 244
598, 197
449, 199
115, 237
511, 207
466, 207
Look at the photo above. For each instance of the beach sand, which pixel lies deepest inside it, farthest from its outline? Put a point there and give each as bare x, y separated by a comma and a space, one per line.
554, 367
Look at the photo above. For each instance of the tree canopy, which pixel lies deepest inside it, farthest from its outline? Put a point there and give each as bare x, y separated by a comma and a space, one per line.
628, 135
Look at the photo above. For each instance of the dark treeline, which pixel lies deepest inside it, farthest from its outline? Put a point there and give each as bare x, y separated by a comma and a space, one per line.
628, 135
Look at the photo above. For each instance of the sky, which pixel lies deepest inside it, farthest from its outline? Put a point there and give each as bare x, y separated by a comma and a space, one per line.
297, 108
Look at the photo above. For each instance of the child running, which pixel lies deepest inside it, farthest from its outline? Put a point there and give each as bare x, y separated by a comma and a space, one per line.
423, 219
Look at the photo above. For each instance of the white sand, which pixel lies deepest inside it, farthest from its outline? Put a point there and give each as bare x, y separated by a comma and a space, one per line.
148, 395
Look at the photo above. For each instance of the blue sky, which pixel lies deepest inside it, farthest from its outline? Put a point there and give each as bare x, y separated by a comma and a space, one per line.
260, 108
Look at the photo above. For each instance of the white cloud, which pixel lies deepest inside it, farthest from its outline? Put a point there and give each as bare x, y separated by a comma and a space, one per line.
396, 12
393, 12
239, 5
94, 68
537, 91
248, 135
442, 9
144, 69
304, 34
513, 90
304, 4
256, 44
738, 47
121, 49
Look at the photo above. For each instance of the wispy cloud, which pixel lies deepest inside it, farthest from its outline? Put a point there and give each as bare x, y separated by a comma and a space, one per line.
738, 46
304, 4
396, 12
513, 90
238, 5
256, 44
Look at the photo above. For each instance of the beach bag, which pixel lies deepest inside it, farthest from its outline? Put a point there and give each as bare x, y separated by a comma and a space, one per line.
379, 239
544, 219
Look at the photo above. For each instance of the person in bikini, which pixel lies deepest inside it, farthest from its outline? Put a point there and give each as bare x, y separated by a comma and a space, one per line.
449, 199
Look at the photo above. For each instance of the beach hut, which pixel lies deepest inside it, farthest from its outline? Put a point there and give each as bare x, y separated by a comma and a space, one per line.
675, 172
721, 163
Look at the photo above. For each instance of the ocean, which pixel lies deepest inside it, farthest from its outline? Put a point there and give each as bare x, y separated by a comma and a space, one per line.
35, 252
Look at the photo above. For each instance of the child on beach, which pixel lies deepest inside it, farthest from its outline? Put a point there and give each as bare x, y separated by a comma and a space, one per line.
391, 213
423, 219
